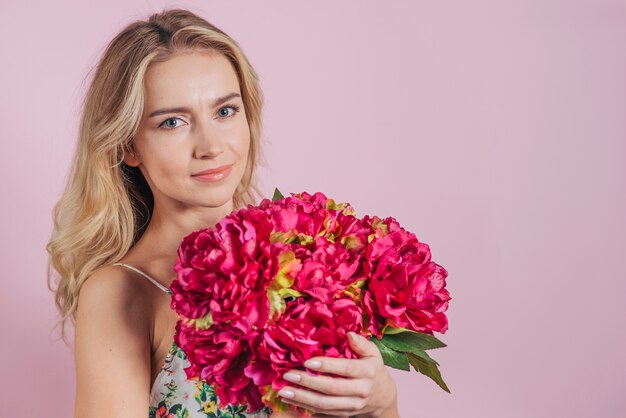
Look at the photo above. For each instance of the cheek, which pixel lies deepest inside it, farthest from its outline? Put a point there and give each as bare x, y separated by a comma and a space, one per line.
242, 144
166, 164
244, 148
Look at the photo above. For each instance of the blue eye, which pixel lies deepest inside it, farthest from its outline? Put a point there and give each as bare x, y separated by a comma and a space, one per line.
170, 123
226, 114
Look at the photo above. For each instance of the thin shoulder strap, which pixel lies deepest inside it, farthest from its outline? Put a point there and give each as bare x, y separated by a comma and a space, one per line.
157, 284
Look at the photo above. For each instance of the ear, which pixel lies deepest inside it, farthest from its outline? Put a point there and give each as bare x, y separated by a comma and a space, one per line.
131, 158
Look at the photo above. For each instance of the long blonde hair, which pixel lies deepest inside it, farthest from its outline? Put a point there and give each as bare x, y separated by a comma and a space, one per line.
106, 204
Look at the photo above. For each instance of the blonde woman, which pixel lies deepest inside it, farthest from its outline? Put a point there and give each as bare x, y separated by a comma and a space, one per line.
168, 144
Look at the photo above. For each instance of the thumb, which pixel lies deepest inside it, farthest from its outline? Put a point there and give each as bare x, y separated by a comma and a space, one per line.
362, 346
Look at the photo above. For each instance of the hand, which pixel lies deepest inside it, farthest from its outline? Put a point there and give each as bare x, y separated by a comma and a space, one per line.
287, 414
366, 389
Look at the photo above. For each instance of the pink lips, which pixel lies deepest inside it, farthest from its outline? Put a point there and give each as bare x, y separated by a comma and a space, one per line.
216, 174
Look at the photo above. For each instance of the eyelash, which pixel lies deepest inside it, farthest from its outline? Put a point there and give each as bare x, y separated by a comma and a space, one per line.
233, 106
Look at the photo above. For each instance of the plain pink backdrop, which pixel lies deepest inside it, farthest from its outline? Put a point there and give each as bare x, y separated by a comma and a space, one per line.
495, 130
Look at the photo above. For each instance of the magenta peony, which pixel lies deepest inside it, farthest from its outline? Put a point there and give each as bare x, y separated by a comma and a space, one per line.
273, 285
406, 289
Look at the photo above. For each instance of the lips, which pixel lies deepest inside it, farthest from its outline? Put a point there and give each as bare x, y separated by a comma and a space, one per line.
212, 171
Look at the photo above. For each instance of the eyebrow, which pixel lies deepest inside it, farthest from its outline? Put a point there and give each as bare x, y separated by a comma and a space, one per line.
216, 103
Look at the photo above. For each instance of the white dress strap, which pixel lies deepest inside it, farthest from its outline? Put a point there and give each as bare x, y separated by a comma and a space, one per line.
157, 284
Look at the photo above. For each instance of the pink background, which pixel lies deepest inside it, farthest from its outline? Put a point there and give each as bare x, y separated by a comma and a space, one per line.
495, 130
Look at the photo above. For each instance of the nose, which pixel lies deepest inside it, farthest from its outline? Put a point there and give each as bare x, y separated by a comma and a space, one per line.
208, 142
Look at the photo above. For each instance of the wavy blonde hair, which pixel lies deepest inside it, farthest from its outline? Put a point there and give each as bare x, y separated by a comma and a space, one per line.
106, 204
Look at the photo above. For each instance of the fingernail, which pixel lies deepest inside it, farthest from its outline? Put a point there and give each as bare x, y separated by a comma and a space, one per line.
286, 393
313, 364
352, 336
292, 377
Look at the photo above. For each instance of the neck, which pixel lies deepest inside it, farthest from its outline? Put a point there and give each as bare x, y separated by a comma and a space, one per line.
159, 243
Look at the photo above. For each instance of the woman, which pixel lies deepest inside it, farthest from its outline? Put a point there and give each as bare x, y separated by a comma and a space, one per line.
168, 144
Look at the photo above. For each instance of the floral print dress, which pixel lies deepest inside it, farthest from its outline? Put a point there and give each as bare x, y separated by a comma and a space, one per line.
174, 396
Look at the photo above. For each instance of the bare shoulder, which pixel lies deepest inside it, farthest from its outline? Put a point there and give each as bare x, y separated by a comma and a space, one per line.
113, 287
112, 346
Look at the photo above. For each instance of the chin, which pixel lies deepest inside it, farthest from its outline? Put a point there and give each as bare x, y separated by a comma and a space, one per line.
217, 197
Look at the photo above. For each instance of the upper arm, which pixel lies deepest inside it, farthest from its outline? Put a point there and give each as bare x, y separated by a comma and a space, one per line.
112, 347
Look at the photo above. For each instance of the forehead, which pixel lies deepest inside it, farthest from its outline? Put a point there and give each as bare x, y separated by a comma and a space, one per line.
188, 78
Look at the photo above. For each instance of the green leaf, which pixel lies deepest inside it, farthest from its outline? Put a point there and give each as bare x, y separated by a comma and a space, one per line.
425, 356
391, 330
391, 357
427, 368
407, 341
277, 195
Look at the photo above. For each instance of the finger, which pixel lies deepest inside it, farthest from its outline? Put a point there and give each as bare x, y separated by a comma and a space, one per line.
320, 402
362, 346
355, 368
337, 386
318, 414
288, 414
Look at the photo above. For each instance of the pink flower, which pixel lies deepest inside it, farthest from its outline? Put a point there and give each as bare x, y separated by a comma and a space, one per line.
327, 269
306, 214
225, 271
274, 285
219, 355
308, 328
406, 289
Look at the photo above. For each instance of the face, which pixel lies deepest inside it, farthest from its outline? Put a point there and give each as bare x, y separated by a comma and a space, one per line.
193, 121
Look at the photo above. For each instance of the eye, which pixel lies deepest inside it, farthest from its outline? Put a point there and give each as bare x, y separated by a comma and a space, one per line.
224, 111
170, 123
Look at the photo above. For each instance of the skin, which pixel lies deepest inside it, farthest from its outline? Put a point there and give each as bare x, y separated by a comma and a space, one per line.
169, 148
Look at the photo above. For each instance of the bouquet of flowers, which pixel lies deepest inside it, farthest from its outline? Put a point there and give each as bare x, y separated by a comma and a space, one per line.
273, 285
